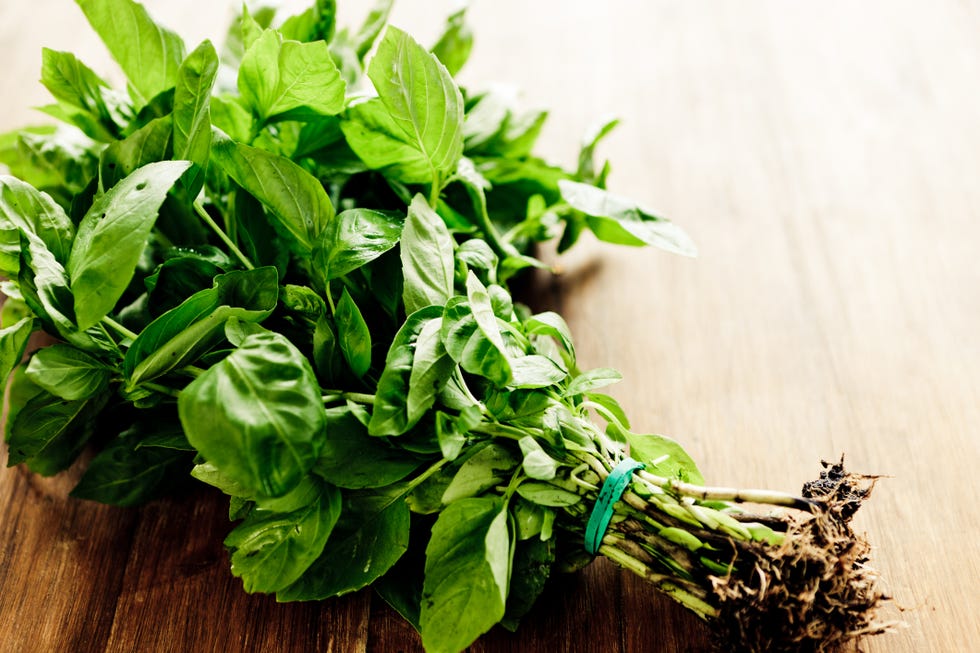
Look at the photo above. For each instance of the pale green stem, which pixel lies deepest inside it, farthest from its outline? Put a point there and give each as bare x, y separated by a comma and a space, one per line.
208, 220
120, 329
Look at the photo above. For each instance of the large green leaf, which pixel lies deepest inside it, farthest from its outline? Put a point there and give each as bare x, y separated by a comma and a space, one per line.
111, 238
126, 474
270, 550
48, 433
257, 415
467, 573
148, 53
352, 459
421, 97
68, 372
290, 79
370, 538
180, 335
380, 143
427, 258
294, 196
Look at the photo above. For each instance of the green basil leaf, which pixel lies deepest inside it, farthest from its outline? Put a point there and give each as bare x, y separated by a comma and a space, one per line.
472, 336
182, 334
257, 415
352, 459
612, 406
600, 377
586, 165
378, 141
13, 342
619, 220
149, 54
661, 455
289, 78
533, 560
488, 467
43, 282
74, 84
327, 357
228, 115
427, 258
374, 22
422, 97
369, 539
390, 414
270, 550
147, 144
537, 463
535, 371
192, 113
317, 23
111, 238
294, 196
467, 572
355, 237
454, 45
432, 367
124, 475
24, 208
353, 335
48, 433
545, 494
67, 372
551, 324
57, 160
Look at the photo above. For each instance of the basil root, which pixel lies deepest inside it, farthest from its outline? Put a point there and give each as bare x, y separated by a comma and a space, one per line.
300, 294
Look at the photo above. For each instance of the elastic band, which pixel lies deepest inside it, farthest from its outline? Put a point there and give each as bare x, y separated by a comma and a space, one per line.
602, 512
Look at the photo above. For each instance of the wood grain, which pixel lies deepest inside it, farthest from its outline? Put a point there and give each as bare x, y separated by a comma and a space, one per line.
826, 158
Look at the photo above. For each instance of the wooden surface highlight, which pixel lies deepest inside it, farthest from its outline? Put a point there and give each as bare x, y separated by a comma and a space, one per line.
825, 157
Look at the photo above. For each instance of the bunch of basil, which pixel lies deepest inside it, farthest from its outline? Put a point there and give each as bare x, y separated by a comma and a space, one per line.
296, 289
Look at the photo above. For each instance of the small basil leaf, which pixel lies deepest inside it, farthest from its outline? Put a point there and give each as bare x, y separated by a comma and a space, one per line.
353, 335
390, 413
432, 366
354, 238
662, 456
427, 258
600, 377
13, 342
192, 113
619, 220
270, 550
67, 372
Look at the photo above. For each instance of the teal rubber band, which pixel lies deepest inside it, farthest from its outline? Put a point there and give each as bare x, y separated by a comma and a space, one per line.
602, 512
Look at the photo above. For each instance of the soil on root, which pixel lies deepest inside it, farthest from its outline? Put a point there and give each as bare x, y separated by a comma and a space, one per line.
813, 592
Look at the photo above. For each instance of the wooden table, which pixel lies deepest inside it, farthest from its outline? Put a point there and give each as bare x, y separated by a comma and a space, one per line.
825, 156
